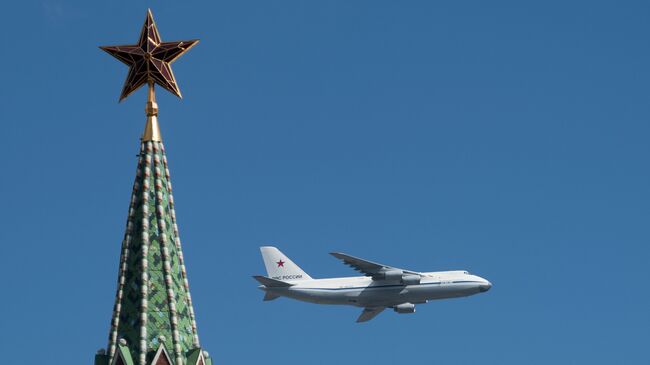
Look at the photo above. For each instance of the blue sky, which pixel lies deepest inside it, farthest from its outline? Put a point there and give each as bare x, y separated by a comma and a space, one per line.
506, 138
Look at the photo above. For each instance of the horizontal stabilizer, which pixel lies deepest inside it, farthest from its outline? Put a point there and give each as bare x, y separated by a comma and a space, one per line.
272, 283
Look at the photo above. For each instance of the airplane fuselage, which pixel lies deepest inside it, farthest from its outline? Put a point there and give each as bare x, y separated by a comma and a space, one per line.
363, 291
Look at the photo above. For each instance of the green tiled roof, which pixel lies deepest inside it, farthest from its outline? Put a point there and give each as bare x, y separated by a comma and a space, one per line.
152, 304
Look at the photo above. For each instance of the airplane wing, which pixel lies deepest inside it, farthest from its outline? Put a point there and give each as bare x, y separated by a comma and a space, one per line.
368, 268
369, 313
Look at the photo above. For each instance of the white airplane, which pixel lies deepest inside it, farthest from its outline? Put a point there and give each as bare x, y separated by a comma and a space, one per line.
382, 287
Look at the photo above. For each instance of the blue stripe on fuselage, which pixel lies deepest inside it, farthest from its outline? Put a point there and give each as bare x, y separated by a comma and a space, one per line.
389, 286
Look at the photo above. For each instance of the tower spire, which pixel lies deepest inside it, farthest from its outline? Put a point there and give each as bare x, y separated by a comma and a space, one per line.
153, 321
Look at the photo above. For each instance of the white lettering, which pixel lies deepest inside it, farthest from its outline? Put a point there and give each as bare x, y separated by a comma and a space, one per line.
287, 277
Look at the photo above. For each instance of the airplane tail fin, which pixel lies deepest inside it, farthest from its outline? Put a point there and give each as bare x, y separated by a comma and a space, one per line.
280, 267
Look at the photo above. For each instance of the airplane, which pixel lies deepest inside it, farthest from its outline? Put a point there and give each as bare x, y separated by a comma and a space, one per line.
382, 286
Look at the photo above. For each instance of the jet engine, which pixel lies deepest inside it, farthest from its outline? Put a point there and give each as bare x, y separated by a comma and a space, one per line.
392, 275
410, 279
404, 308
400, 276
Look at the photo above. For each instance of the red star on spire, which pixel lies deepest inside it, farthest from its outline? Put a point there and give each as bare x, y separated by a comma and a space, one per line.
280, 263
150, 59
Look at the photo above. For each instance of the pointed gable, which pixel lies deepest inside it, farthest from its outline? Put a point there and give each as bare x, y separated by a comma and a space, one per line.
162, 357
196, 357
122, 356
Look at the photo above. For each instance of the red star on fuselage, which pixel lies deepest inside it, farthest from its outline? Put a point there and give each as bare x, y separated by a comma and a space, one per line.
280, 263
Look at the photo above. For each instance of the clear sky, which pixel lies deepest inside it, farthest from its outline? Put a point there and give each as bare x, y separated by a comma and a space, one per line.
506, 138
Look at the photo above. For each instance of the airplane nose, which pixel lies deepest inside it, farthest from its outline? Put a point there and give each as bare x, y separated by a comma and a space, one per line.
485, 287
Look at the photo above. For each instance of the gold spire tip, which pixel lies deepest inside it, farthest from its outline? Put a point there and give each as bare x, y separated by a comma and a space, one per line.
151, 129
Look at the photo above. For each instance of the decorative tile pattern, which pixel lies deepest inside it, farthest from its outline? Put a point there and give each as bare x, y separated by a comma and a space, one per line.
153, 304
